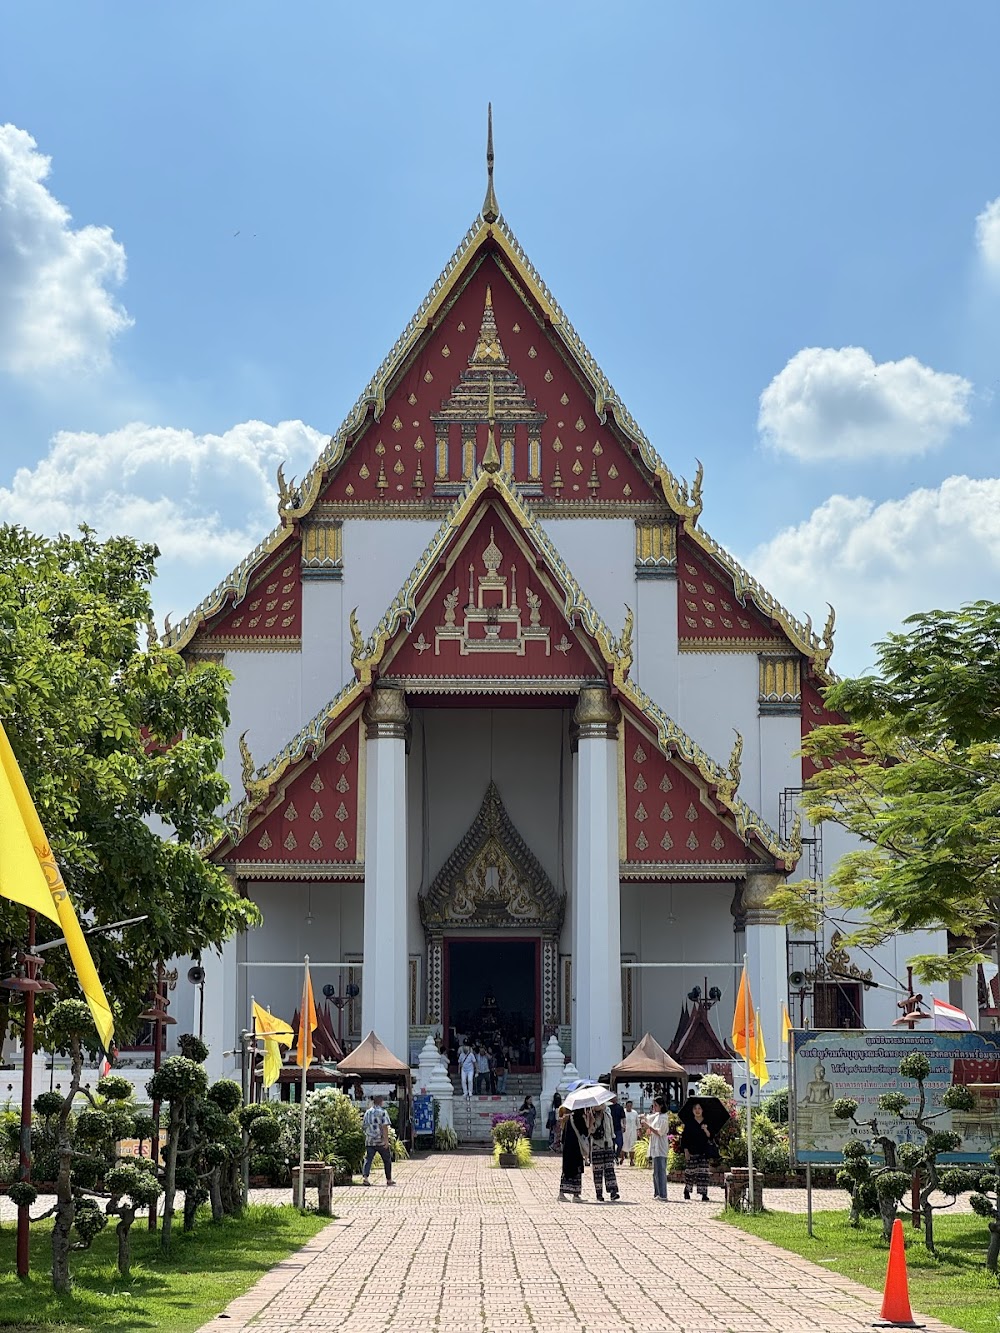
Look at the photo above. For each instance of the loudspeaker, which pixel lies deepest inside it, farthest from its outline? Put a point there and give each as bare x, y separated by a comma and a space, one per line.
196, 975
796, 980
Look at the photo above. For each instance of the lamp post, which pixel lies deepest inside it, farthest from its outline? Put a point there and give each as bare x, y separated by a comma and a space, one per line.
157, 1015
351, 992
28, 981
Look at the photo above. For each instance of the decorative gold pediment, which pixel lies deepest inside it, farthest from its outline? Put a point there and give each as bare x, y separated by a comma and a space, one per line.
836, 964
493, 879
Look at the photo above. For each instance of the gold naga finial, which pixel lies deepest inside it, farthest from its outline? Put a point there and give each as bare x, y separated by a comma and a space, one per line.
623, 645
357, 639
167, 631
286, 490
247, 766
828, 632
696, 500
152, 641
491, 209
733, 767
491, 459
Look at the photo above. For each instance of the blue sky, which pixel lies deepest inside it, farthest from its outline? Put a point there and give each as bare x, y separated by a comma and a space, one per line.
761, 219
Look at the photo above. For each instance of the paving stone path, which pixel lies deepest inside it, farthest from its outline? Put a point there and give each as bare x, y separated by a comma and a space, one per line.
461, 1246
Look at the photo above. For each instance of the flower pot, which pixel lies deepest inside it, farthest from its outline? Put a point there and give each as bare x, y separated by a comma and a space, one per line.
508, 1159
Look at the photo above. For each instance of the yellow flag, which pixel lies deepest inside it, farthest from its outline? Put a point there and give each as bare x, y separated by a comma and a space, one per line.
29, 875
743, 1020
786, 1023
307, 1023
758, 1059
276, 1032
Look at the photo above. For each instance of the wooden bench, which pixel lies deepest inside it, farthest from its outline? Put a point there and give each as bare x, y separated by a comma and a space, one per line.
320, 1176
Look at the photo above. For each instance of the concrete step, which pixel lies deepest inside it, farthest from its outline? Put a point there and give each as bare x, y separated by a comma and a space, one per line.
473, 1116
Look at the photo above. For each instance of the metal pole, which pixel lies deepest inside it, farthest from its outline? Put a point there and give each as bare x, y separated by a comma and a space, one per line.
24, 1169
154, 1147
746, 1029
303, 1041
809, 1198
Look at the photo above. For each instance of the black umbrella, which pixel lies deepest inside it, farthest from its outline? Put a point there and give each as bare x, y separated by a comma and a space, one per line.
714, 1113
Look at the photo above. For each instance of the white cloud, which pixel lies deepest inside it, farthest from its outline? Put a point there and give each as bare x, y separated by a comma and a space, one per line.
55, 306
838, 403
205, 500
988, 234
879, 563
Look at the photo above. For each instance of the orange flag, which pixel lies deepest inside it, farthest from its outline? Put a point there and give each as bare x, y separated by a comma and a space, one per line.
744, 1024
307, 1023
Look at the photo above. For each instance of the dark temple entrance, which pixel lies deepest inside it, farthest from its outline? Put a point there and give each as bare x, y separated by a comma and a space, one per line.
491, 990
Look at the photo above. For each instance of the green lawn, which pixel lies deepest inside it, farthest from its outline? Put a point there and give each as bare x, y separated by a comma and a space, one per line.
954, 1287
206, 1270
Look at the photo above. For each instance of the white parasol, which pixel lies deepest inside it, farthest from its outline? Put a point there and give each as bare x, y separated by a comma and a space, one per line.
591, 1095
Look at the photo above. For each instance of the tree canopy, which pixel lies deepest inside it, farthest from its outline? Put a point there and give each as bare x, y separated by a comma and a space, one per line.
119, 743
915, 772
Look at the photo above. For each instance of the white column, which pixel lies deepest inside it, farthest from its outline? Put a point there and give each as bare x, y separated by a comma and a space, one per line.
384, 977
767, 968
597, 981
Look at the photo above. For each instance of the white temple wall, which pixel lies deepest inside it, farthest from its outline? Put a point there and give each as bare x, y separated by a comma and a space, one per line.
654, 666
335, 930
325, 664
704, 680
265, 702
600, 554
526, 745
779, 738
378, 555
701, 931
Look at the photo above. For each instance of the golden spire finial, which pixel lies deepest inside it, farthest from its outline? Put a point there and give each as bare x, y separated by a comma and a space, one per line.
491, 209
491, 458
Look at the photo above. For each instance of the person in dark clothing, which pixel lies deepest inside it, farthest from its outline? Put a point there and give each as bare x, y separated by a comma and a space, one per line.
575, 1154
528, 1112
553, 1123
699, 1148
618, 1121
603, 1152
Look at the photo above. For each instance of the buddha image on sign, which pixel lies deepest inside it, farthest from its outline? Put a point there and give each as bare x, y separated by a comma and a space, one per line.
815, 1120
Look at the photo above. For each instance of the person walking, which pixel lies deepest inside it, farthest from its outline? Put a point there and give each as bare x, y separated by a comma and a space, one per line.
699, 1147
575, 1154
603, 1153
659, 1145
631, 1132
553, 1123
618, 1120
482, 1072
376, 1124
467, 1066
528, 1112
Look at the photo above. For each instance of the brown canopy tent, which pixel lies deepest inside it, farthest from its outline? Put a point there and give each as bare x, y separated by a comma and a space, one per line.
371, 1061
649, 1063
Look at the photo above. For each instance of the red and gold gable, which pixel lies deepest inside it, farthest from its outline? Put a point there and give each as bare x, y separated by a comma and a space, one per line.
707, 610
316, 817
537, 398
271, 610
666, 818
491, 614
816, 714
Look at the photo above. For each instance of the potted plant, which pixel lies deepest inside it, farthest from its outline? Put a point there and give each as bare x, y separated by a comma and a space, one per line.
506, 1134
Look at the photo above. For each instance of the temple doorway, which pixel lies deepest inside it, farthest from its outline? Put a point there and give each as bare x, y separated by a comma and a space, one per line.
492, 995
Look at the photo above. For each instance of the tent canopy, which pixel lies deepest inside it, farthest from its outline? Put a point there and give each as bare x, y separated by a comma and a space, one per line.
648, 1063
373, 1062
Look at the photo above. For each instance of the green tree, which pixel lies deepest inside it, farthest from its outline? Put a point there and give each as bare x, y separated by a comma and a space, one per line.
119, 743
915, 773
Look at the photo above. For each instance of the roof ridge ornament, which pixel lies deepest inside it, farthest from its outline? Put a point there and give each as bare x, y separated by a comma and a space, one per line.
491, 459
491, 209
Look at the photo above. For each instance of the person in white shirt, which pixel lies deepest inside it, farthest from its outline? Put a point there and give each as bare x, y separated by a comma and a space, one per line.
482, 1072
658, 1124
631, 1133
376, 1123
467, 1066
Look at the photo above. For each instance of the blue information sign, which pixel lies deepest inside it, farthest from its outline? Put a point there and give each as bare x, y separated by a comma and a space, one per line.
423, 1114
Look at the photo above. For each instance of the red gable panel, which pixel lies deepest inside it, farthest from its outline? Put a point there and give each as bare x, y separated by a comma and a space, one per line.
665, 818
707, 609
816, 714
316, 819
271, 610
575, 458
491, 615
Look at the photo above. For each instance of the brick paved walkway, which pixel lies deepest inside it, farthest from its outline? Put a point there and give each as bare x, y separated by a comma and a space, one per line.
463, 1247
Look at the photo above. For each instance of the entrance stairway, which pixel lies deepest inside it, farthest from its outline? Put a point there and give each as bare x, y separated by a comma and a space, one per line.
473, 1116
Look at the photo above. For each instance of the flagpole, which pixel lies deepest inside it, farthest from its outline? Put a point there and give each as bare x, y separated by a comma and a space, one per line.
303, 1028
746, 1052
24, 1172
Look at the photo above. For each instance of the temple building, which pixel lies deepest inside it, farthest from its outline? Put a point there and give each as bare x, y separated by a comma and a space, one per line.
509, 728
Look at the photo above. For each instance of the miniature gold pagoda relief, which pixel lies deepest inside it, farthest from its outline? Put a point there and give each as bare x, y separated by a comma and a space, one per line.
492, 620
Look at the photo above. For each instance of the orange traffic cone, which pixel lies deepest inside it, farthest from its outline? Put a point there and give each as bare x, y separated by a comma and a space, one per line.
896, 1312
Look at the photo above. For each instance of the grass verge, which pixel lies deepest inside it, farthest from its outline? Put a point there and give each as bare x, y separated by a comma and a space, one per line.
954, 1287
207, 1268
